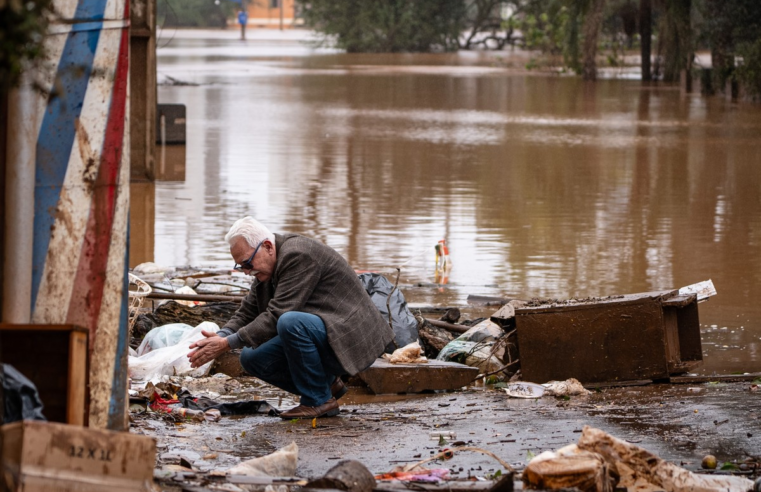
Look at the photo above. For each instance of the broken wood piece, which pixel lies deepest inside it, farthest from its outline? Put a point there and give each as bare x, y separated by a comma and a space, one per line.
385, 378
194, 297
448, 326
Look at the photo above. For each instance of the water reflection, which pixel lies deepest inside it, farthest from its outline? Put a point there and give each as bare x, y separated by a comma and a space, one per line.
541, 185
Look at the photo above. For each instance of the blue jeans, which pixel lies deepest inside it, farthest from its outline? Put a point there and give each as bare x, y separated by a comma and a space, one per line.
298, 360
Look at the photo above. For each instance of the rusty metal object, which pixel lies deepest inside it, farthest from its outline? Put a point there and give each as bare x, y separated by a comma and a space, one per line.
619, 338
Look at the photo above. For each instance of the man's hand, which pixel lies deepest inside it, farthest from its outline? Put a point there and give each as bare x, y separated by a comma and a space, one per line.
209, 349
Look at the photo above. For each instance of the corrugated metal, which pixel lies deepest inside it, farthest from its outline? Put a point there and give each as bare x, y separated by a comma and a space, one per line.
81, 194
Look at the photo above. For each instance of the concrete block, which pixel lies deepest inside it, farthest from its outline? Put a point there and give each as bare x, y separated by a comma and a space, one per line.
386, 378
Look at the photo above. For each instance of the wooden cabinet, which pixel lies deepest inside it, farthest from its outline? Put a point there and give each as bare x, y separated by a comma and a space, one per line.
54, 358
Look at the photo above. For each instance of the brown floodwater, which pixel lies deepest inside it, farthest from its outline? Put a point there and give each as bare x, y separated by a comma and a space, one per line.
542, 185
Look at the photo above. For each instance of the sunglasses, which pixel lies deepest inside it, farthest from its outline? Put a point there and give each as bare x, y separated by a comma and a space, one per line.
247, 265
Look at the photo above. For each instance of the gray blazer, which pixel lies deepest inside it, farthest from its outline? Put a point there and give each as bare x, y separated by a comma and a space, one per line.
313, 278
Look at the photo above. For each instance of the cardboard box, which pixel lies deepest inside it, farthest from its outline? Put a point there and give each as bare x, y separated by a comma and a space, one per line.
44, 456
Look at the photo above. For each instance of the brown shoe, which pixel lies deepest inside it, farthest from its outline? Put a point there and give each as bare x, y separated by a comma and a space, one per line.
327, 409
338, 388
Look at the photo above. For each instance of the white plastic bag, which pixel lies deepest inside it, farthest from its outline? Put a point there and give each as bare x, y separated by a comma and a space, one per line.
163, 336
172, 360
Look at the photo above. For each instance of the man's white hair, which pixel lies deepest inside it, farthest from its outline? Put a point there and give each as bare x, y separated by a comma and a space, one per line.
251, 230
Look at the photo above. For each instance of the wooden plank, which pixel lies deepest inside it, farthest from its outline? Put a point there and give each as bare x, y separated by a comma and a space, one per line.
77, 381
384, 377
7, 326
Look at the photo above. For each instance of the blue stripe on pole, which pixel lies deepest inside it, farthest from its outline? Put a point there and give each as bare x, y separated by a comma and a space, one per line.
117, 403
57, 133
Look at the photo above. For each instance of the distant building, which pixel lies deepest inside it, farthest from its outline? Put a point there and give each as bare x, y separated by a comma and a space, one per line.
271, 13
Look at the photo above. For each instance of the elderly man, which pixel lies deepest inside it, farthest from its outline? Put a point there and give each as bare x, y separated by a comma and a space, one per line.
306, 320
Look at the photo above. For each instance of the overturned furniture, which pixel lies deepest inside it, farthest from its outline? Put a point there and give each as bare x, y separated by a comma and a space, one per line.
646, 336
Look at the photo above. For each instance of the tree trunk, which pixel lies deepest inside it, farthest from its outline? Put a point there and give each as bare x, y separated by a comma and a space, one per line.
677, 39
646, 33
591, 31
722, 56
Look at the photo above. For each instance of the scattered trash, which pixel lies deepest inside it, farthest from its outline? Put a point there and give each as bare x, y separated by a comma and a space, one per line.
569, 387
149, 267
172, 360
436, 435
522, 389
186, 413
709, 462
568, 467
442, 256
281, 463
646, 466
418, 474
475, 348
163, 336
409, 354
703, 290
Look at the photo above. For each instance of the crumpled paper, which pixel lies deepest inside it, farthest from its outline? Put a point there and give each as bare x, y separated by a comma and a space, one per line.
409, 354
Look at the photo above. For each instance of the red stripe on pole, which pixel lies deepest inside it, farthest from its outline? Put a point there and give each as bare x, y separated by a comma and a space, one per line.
87, 296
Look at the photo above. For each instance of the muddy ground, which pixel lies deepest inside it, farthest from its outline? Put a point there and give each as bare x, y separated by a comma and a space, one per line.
680, 423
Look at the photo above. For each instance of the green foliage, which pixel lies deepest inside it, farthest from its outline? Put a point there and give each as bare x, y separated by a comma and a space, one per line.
388, 26
22, 27
194, 13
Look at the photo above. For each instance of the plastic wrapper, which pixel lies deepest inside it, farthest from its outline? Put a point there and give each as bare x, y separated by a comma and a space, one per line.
163, 336
172, 360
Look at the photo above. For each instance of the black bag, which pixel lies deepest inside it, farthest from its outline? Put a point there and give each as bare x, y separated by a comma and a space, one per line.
402, 320
22, 402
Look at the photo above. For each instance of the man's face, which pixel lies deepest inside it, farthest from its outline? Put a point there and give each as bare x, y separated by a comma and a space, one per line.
263, 261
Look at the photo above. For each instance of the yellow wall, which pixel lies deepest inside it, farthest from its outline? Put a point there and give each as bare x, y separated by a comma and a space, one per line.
266, 13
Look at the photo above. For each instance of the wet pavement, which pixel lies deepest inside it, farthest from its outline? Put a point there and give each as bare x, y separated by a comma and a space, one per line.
680, 423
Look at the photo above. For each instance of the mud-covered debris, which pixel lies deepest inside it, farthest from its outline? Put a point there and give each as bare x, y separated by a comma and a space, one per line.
568, 467
623, 456
569, 387
348, 475
281, 463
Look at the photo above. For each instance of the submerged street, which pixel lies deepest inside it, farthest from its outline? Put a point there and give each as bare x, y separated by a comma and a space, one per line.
542, 186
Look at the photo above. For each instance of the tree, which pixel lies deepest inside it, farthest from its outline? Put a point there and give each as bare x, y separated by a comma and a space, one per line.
591, 32
645, 36
388, 25
195, 13
733, 30
22, 28
675, 39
